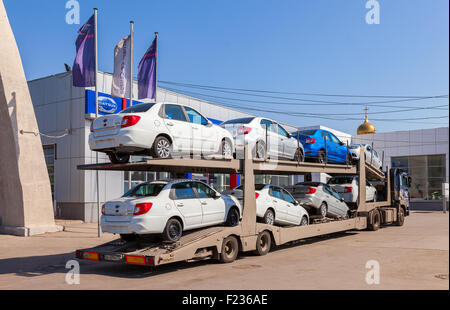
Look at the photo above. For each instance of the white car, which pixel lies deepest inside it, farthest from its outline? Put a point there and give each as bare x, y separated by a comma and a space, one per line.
347, 187
274, 205
252, 131
168, 208
159, 130
355, 151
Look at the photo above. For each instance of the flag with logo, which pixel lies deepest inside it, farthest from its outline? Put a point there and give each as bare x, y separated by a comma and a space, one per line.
122, 61
147, 73
84, 65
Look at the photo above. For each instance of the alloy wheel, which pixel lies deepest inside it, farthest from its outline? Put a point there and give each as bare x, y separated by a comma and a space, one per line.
163, 148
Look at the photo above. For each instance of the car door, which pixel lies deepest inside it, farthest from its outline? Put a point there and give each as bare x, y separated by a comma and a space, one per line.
278, 204
270, 137
293, 208
213, 207
340, 207
205, 139
329, 199
328, 145
340, 149
288, 146
180, 129
187, 203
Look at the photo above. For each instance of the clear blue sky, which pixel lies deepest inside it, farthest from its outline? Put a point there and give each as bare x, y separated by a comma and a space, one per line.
315, 46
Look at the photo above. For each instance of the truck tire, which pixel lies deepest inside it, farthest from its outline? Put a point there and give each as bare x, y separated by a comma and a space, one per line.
173, 230
400, 217
230, 250
374, 220
263, 243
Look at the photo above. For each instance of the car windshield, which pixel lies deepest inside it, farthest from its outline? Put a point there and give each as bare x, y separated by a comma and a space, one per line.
258, 187
145, 190
340, 180
138, 108
245, 120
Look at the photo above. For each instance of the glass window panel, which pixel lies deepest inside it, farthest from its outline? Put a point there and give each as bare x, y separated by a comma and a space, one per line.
436, 172
399, 162
436, 160
434, 194
418, 188
138, 176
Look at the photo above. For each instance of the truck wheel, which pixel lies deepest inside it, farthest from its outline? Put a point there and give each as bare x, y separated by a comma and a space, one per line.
173, 230
263, 243
232, 217
400, 217
117, 158
269, 217
230, 249
322, 211
374, 220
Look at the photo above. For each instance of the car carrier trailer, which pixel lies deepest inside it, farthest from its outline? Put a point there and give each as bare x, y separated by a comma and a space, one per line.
224, 243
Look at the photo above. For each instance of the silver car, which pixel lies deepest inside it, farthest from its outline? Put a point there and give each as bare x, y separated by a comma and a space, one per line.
266, 138
370, 154
319, 198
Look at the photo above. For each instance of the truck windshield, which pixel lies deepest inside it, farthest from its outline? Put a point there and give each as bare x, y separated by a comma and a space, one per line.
145, 190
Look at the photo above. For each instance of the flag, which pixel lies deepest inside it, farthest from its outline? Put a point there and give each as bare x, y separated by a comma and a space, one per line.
147, 73
121, 77
83, 69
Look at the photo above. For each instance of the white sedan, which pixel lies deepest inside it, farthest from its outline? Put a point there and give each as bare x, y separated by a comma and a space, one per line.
348, 187
370, 154
159, 130
274, 205
168, 208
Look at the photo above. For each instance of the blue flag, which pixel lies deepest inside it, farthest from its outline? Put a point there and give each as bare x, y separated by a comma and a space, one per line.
147, 73
83, 70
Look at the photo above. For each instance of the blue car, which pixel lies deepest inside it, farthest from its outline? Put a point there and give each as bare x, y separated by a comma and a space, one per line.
313, 141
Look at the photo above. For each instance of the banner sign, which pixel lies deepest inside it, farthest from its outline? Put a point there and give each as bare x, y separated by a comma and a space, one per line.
106, 103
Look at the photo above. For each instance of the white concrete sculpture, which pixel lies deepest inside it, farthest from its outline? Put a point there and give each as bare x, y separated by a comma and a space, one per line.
26, 206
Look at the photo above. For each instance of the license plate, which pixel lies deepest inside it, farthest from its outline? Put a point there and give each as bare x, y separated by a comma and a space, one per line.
113, 257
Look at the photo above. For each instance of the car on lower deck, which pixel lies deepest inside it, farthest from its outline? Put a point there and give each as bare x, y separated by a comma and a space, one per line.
160, 130
168, 208
274, 205
265, 137
348, 188
320, 199
323, 146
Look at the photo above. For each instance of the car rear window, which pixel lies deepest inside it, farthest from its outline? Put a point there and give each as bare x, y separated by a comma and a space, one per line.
314, 184
340, 180
138, 108
145, 190
258, 187
245, 120
307, 132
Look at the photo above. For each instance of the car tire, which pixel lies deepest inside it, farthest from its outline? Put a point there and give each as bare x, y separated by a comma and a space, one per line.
321, 157
260, 150
299, 155
232, 217
128, 237
304, 221
118, 158
263, 243
230, 250
348, 159
226, 149
400, 217
173, 230
269, 217
162, 147
322, 211
374, 220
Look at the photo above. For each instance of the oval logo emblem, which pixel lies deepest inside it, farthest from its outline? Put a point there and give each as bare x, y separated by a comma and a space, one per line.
107, 105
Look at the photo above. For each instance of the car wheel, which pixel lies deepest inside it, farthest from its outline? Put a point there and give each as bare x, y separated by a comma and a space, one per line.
304, 221
128, 237
260, 150
322, 211
321, 157
269, 217
119, 158
162, 148
232, 217
226, 149
299, 155
348, 159
400, 217
263, 243
173, 230
230, 250
374, 220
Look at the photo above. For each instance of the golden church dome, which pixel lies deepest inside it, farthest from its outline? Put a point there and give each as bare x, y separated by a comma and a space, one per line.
366, 127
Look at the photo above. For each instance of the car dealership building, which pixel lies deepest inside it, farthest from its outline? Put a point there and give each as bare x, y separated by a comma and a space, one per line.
64, 115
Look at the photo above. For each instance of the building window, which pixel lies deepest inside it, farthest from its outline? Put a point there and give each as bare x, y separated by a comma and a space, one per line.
427, 174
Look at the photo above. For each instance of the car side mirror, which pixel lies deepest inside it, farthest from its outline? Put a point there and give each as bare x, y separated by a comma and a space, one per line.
218, 195
289, 135
342, 199
209, 124
296, 203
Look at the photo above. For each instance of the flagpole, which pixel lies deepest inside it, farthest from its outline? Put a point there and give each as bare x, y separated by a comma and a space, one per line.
96, 116
156, 66
131, 60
